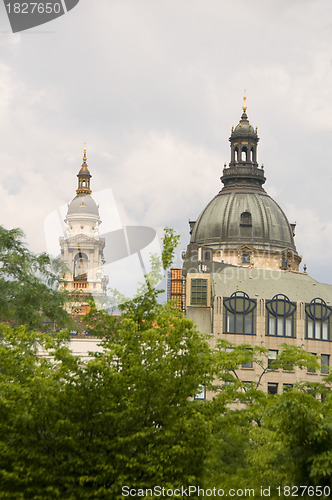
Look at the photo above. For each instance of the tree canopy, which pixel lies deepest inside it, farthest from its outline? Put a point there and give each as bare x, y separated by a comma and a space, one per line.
129, 416
29, 285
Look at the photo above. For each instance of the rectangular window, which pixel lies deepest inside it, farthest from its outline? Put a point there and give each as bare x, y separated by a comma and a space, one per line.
248, 326
272, 325
272, 388
245, 258
201, 394
272, 357
325, 364
249, 364
288, 327
230, 327
287, 387
325, 328
199, 292
312, 370
247, 385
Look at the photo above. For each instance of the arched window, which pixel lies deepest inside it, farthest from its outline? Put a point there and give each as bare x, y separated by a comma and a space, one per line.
318, 320
244, 154
246, 218
239, 314
207, 255
80, 267
252, 155
236, 154
280, 316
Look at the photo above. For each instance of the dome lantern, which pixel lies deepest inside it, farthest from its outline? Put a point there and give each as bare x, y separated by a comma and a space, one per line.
243, 167
84, 177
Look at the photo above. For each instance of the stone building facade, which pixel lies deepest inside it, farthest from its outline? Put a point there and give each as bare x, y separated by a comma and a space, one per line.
241, 274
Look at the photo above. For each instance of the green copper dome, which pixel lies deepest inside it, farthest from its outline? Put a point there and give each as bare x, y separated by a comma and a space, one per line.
239, 218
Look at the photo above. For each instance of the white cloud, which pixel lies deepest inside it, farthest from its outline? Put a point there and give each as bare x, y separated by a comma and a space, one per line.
154, 88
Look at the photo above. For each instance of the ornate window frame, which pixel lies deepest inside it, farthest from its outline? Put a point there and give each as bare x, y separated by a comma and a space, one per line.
318, 319
280, 317
239, 312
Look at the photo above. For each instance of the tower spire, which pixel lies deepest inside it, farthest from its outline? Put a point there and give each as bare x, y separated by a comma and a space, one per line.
84, 153
84, 177
244, 107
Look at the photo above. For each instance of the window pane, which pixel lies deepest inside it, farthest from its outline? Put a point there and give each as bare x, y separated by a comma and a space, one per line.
248, 323
272, 356
318, 328
272, 325
280, 325
310, 329
230, 323
272, 388
289, 323
325, 328
199, 292
325, 362
200, 393
239, 323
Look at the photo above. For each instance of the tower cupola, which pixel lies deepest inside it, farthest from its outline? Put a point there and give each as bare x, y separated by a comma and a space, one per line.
84, 177
243, 167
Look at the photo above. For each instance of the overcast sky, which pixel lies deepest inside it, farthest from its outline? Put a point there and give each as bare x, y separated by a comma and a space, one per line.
154, 88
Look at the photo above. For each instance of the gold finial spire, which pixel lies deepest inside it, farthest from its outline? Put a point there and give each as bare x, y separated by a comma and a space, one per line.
84, 153
244, 107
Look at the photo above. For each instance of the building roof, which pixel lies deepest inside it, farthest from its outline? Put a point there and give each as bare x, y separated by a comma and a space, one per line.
263, 283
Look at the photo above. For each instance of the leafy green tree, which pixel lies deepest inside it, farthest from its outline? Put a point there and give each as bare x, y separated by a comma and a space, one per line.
29, 285
251, 446
82, 430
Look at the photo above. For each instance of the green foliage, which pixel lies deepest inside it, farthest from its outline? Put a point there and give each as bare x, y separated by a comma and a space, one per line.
269, 440
170, 242
28, 284
81, 430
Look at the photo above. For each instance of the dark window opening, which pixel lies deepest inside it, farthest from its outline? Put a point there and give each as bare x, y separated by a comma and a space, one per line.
246, 219
325, 364
272, 388
284, 263
245, 258
80, 267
